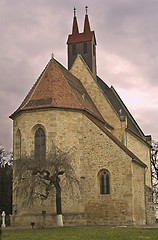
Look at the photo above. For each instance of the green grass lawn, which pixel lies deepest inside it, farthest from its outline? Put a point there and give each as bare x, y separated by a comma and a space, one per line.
85, 233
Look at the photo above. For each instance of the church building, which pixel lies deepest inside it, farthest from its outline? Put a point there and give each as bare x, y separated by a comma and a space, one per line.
75, 108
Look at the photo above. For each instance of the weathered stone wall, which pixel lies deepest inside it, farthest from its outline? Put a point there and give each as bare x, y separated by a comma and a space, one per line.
150, 216
142, 151
64, 129
116, 208
94, 151
53, 122
138, 147
81, 72
48, 220
138, 183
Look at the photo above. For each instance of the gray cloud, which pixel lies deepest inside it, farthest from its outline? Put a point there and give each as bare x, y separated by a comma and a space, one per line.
131, 32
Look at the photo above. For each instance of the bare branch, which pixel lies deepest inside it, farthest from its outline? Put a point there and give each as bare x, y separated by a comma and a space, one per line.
41, 179
154, 170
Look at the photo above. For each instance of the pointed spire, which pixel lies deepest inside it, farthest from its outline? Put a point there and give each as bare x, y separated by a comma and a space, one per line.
86, 22
75, 30
87, 41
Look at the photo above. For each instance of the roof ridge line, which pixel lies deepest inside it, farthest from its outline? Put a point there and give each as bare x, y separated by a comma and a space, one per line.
128, 112
79, 55
102, 120
114, 139
106, 96
70, 87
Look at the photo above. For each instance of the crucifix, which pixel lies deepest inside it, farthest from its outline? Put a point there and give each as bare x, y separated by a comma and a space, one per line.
86, 9
74, 11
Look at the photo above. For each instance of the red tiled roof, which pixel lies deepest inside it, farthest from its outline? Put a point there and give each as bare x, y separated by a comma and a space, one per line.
76, 37
80, 37
86, 25
57, 87
75, 30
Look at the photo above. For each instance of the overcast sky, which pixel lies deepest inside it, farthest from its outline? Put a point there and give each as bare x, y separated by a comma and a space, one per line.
127, 51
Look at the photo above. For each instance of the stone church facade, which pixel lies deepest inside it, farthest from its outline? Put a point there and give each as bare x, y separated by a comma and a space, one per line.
75, 108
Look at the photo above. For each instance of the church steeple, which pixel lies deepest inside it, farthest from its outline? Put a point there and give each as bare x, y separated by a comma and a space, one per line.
86, 23
75, 30
82, 43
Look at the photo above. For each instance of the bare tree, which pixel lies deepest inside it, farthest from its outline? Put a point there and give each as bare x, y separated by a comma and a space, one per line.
2, 155
154, 170
41, 177
5, 157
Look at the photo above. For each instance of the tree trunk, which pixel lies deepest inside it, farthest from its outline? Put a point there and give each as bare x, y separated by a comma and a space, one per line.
58, 204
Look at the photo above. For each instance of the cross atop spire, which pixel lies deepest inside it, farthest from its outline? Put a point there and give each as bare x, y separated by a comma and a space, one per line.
86, 24
86, 35
86, 9
75, 30
74, 12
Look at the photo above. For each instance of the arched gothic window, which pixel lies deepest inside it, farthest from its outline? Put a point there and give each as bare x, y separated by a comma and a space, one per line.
18, 144
93, 50
40, 144
104, 180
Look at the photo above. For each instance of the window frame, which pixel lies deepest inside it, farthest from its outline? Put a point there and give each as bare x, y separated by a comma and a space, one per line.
94, 50
104, 182
40, 144
18, 143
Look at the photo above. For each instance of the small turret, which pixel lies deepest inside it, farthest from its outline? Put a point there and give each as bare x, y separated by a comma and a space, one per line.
82, 43
75, 30
86, 23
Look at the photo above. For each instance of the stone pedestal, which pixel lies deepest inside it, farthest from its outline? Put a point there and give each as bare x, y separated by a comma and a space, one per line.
3, 220
60, 220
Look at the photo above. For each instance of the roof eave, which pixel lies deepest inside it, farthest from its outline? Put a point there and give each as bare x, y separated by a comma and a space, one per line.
20, 111
102, 120
136, 135
139, 162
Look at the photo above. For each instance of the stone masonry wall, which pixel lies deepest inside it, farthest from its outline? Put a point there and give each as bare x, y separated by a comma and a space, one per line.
64, 129
100, 152
81, 72
142, 151
151, 219
139, 210
94, 151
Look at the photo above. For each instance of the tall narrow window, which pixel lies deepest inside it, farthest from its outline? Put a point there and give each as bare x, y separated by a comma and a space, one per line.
107, 184
85, 48
18, 144
104, 180
40, 144
73, 49
102, 184
93, 50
